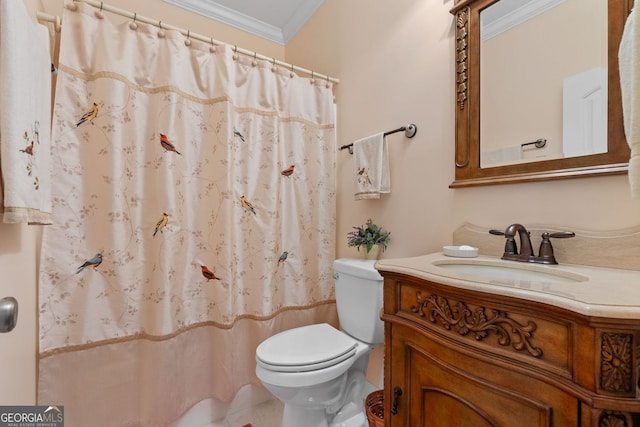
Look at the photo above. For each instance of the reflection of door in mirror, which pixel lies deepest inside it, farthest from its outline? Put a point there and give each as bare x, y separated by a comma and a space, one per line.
543, 73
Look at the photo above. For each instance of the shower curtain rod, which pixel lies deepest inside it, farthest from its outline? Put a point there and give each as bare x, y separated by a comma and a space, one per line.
187, 33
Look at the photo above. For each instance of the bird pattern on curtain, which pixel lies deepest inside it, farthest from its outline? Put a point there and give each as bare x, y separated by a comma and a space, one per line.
191, 188
196, 208
169, 147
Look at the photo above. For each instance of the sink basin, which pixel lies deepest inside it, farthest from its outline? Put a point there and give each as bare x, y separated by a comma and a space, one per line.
510, 272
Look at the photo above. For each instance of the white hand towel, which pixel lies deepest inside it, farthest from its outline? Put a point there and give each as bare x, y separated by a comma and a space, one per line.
25, 117
371, 161
629, 62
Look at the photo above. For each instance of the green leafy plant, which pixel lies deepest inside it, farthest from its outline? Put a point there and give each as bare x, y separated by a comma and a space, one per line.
368, 235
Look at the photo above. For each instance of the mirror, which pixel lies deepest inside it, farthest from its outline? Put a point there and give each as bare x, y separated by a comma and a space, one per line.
552, 102
527, 112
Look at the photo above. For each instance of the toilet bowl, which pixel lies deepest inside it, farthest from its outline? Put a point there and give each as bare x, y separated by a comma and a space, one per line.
318, 371
311, 370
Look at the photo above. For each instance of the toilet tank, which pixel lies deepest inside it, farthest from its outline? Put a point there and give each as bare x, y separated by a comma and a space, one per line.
359, 299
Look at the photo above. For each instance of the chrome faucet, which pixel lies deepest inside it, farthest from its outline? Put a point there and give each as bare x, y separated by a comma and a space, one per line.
545, 255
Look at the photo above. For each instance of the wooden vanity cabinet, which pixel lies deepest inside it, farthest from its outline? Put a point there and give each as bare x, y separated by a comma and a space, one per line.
469, 358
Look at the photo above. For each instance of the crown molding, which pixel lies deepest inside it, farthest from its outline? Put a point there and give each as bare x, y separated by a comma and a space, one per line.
249, 24
232, 18
515, 17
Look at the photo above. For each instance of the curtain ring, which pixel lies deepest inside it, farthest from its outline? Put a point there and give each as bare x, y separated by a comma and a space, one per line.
235, 52
327, 85
187, 42
212, 49
161, 32
291, 74
160, 24
313, 80
99, 13
133, 25
273, 65
255, 59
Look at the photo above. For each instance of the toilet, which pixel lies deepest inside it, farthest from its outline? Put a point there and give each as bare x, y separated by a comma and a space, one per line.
318, 371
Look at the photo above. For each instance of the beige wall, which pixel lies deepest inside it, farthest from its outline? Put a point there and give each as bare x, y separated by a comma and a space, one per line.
395, 64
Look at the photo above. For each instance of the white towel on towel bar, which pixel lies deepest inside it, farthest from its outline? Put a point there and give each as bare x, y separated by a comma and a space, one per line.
371, 160
25, 117
629, 63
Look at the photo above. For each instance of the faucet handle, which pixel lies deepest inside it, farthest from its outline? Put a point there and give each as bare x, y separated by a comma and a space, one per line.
546, 250
510, 244
560, 234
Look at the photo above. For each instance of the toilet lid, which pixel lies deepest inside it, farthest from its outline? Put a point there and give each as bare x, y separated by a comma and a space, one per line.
305, 349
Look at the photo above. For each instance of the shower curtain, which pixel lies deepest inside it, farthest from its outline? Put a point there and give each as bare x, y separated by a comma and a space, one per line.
194, 216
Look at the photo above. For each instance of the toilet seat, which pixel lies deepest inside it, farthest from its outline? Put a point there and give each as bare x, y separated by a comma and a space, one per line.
304, 349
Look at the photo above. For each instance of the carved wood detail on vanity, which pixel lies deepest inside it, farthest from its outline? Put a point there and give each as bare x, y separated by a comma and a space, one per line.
479, 321
617, 364
488, 323
614, 419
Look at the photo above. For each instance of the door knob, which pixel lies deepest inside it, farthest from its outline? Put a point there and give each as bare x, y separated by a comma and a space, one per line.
8, 314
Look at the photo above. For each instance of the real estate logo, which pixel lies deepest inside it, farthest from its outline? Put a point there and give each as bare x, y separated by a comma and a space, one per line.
32, 416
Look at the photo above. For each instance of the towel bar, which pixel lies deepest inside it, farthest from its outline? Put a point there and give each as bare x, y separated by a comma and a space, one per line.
410, 131
539, 143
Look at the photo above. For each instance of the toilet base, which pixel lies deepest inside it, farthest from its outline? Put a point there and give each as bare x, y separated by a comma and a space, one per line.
350, 416
295, 416
347, 411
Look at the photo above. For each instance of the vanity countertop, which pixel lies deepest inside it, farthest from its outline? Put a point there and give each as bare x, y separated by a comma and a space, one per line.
601, 292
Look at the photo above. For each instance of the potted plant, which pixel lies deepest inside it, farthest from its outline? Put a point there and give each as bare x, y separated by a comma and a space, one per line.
371, 237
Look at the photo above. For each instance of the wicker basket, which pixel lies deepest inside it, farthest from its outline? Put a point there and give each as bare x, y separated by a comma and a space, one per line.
374, 406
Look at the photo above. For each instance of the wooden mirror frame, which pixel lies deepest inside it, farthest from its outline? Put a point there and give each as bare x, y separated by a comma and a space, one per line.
467, 154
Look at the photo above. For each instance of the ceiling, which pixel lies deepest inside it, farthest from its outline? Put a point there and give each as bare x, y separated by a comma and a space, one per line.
275, 20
